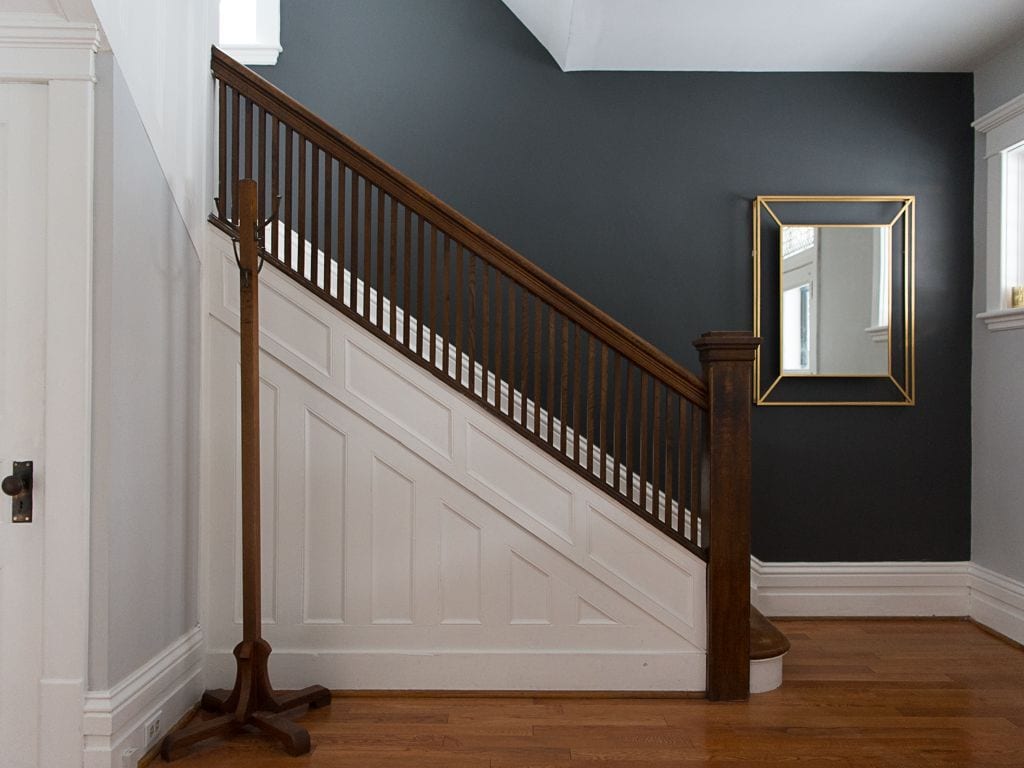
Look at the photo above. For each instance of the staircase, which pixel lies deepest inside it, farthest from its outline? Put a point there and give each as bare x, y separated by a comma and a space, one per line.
487, 481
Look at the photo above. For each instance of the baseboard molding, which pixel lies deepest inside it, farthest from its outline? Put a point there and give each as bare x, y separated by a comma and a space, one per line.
114, 720
889, 589
860, 589
997, 602
488, 671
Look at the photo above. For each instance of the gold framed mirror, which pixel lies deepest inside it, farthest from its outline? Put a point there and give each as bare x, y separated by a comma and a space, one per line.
834, 300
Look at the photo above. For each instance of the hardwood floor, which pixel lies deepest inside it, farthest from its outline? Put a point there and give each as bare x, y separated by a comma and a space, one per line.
889, 693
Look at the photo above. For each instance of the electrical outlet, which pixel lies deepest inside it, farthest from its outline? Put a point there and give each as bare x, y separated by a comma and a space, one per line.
153, 728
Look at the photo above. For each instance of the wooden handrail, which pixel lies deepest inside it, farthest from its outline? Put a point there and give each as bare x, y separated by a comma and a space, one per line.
496, 253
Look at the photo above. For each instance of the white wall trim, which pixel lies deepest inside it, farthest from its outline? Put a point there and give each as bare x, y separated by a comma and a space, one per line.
256, 54
997, 602
1001, 114
890, 589
35, 50
114, 719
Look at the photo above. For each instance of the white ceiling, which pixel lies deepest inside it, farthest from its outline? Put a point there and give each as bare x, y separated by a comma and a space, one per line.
773, 35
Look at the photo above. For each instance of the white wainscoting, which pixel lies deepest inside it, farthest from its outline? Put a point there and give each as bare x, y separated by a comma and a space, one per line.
410, 540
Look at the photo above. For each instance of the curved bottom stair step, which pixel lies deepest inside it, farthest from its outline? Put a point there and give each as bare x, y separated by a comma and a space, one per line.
767, 647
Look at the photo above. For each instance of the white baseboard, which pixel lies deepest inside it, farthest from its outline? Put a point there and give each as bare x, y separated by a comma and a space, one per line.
889, 589
484, 671
860, 589
114, 720
997, 602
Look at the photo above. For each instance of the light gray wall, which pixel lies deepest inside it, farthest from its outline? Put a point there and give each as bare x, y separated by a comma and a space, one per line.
845, 268
145, 398
997, 498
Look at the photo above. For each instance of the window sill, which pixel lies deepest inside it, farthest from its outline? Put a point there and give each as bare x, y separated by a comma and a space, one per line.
1003, 319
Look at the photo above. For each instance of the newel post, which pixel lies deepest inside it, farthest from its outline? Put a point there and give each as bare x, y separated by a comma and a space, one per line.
727, 359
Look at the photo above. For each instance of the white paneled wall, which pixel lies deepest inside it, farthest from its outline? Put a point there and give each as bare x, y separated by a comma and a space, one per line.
412, 541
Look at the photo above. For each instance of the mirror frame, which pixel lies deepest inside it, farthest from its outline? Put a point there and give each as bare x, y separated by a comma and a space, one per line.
773, 212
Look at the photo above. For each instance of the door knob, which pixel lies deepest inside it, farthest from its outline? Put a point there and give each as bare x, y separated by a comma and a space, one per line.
18, 485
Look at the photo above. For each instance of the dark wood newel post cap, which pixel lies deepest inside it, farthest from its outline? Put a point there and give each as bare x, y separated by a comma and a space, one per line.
732, 346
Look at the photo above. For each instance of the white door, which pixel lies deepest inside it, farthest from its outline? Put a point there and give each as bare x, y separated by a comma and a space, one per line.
23, 194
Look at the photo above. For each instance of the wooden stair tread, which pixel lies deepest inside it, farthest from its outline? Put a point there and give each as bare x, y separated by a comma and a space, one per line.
766, 641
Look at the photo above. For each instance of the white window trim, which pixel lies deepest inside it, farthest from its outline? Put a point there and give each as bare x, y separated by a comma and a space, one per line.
259, 43
1003, 129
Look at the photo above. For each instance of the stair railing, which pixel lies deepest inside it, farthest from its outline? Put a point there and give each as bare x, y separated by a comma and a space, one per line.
671, 447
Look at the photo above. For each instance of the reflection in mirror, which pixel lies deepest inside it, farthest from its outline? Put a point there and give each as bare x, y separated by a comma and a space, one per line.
835, 300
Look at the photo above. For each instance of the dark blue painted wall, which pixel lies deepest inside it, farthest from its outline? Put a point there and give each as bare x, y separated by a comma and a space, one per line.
635, 190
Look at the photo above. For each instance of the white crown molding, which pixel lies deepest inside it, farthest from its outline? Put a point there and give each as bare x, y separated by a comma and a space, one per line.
40, 49
1003, 319
999, 115
114, 719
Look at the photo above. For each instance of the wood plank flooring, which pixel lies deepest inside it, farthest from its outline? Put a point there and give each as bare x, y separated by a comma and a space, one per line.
892, 693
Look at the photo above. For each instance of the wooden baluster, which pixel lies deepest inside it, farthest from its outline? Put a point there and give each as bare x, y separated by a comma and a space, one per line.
329, 223
538, 350
354, 244
472, 322
564, 400
421, 313
222, 150
591, 352
523, 365
485, 332
262, 199
314, 251
602, 413
446, 284
379, 256
393, 269
577, 407
511, 350
302, 207
432, 348
341, 210
407, 278
684, 407
669, 464
236, 109
695, 451
275, 185
727, 359
644, 437
367, 246
248, 138
627, 432
499, 293
618, 450
458, 313
551, 377
655, 448
289, 222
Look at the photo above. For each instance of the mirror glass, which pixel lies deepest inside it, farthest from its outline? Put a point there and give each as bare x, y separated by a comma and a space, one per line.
835, 300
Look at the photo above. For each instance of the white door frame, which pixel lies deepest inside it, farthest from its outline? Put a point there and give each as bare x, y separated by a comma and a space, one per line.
61, 55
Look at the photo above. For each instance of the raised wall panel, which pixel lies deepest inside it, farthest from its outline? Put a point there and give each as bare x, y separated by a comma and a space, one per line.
392, 547
642, 567
325, 480
510, 477
281, 319
587, 613
461, 570
409, 407
529, 592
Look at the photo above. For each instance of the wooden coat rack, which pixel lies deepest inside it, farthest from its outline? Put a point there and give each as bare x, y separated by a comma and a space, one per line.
252, 701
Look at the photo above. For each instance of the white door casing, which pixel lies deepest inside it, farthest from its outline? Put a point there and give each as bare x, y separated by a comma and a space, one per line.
46, 80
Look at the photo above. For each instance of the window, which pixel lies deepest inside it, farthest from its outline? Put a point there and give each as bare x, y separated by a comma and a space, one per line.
250, 30
1003, 129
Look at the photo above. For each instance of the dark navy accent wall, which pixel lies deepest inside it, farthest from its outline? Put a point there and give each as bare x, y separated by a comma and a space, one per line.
635, 190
